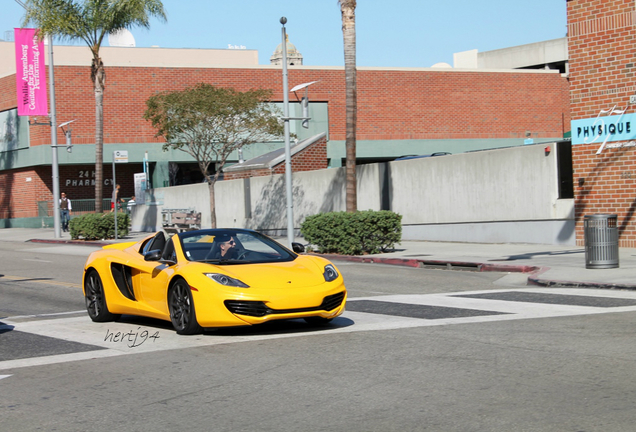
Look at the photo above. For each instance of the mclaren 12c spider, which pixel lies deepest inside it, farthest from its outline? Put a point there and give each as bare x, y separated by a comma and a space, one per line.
211, 278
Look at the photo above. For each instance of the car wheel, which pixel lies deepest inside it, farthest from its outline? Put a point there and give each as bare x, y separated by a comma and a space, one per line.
181, 307
96, 299
317, 321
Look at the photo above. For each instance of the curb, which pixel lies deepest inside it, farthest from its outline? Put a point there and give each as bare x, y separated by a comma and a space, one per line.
435, 264
533, 278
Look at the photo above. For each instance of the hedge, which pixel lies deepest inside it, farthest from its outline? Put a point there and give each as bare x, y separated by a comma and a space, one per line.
95, 226
363, 232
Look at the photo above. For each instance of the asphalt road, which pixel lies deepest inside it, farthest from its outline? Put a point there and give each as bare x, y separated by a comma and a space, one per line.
417, 350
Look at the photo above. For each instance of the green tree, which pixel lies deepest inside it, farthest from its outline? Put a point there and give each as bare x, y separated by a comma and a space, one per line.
90, 21
209, 123
348, 10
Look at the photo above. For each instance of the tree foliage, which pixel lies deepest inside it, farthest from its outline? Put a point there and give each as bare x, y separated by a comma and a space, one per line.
91, 21
209, 123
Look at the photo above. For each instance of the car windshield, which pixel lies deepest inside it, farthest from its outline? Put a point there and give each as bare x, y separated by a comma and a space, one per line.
218, 246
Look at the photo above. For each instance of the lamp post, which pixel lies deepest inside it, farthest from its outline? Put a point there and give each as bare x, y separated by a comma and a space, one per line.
54, 163
288, 171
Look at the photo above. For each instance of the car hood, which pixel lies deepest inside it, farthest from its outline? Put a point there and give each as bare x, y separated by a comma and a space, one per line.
305, 271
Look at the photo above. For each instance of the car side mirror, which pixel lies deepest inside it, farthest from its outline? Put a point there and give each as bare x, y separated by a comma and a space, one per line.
153, 255
298, 248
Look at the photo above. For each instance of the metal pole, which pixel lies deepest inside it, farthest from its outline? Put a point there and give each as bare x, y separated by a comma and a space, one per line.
288, 170
54, 163
115, 195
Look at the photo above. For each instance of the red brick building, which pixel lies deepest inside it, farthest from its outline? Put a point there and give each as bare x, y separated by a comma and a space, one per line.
602, 56
400, 112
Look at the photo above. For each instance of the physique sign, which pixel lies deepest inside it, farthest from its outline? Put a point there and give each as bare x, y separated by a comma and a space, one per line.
30, 73
605, 128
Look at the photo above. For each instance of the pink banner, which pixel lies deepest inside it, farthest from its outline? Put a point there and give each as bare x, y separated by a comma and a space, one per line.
30, 73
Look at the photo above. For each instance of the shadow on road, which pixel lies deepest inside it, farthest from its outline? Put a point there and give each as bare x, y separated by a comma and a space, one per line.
269, 328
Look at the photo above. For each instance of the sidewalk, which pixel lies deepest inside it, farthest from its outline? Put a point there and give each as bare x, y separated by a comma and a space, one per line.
546, 265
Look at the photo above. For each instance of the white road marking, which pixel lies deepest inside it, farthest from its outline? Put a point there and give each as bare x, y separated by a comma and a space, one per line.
4, 376
44, 315
66, 249
36, 260
120, 338
62, 358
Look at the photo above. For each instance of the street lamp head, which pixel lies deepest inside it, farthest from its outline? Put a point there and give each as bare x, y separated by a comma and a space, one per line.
283, 20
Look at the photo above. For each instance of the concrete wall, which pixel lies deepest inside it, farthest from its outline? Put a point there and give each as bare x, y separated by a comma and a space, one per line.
79, 55
502, 196
147, 216
521, 56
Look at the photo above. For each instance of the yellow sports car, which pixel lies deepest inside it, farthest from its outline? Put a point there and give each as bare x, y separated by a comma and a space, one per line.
211, 278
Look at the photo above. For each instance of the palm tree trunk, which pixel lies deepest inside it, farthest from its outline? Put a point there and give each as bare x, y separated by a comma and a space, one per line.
349, 37
98, 75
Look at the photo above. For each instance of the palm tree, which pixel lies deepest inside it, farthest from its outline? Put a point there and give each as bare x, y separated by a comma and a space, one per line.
348, 10
90, 21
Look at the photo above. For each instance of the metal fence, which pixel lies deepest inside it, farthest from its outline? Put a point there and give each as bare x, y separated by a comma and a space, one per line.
79, 206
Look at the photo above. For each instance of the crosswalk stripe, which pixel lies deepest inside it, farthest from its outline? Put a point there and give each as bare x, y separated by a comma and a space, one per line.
122, 338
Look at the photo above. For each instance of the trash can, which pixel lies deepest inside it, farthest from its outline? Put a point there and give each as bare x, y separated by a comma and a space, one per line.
601, 241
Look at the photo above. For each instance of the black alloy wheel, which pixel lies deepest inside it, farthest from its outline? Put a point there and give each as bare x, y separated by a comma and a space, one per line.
181, 308
96, 299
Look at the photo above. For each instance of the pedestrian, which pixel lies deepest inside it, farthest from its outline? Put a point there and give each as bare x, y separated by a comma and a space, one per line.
114, 200
65, 211
131, 204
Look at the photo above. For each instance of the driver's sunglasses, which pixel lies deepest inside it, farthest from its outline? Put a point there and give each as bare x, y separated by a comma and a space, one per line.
232, 242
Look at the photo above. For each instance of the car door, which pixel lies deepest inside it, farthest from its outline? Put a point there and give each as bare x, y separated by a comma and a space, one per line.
152, 282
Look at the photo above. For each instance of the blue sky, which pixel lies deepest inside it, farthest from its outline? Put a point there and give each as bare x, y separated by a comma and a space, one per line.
418, 33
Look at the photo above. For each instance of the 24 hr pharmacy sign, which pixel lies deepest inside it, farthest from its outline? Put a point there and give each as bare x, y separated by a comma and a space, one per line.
605, 129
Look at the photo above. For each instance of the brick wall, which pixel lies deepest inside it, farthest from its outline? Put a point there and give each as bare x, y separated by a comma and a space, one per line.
392, 104
21, 189
602, 56
7, 93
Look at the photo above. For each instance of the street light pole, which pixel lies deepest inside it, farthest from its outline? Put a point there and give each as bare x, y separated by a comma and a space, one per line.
288, 169
54, 163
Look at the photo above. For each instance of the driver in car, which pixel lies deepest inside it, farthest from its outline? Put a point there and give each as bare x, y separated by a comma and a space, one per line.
227, 247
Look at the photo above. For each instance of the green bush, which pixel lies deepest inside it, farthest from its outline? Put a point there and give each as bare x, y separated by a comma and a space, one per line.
364, 232
95, 226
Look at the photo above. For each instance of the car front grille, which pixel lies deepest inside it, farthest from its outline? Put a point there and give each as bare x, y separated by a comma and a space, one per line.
249, 308
333, 301
259, 309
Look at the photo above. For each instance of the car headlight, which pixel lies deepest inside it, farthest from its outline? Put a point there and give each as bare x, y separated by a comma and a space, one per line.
226, 280
330, 273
